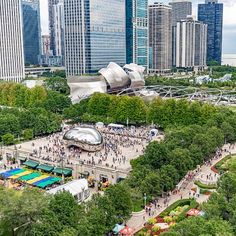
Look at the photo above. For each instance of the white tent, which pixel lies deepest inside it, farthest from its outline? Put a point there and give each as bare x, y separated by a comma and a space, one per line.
78, 188
116, 126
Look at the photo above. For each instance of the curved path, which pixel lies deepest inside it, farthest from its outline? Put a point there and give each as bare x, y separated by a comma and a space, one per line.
204, 173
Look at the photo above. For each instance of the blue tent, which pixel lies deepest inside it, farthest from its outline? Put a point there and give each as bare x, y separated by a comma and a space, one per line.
118, 228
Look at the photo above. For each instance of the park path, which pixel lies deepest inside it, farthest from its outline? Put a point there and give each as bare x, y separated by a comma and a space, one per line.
204, 173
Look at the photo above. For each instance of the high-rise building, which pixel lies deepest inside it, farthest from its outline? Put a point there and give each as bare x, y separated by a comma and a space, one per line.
31, 31
137, 32
59, 29
94, 35
46, 45
51, 18
211, 13
180, 10
191, 44
160, 37
11, 41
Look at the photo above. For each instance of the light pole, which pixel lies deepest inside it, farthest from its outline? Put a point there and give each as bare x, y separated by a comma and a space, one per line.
145, 199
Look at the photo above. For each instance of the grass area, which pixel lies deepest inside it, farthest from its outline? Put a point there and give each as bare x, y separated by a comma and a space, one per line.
205, 186
219, 165
138, 205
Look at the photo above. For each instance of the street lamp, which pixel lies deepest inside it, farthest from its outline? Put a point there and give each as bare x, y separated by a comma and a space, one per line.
145, 199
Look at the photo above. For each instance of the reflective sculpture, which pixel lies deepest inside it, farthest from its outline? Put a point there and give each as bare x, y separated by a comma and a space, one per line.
88, 139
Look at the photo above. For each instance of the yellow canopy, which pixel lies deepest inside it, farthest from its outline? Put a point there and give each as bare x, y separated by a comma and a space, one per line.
20, 174
37, 179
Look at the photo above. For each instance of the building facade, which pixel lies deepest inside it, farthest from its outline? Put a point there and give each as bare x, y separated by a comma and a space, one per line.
180, 10
160, 37
31, 31
11, 41
59, 30
93, 36
137, 32
211, 13
191, 44
51, 18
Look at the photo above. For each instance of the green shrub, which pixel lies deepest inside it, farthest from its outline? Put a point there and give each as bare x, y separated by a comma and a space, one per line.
152, 221
205, 186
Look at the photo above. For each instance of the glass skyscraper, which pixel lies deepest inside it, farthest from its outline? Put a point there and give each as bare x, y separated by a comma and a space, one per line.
211, 13
137, 32
31, 31
94, 35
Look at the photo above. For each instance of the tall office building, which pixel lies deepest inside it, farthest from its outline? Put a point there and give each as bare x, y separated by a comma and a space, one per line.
191, 44
160, 38
180, 10
51, 18
31, 31
59, 30
211, 13
11, 41
137, 32
94, 35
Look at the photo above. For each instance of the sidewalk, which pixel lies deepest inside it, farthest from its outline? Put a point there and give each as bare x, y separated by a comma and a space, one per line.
206, 174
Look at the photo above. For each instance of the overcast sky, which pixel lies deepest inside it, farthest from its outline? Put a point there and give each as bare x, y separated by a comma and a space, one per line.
229, 34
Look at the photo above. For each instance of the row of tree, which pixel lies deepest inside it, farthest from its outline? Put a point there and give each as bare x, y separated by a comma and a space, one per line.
34, 213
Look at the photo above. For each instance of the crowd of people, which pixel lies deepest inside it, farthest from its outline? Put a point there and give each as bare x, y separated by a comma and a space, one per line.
120, 146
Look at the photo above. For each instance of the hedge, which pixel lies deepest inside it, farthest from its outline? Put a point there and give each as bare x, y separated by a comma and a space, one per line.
205, 186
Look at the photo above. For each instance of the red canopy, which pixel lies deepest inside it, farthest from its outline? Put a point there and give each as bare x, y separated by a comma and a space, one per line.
127, 231
193, 212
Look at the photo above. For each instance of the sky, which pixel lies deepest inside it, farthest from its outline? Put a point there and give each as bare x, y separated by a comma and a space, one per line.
229, 30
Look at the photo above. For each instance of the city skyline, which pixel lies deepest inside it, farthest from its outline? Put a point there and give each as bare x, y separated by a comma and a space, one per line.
229, 29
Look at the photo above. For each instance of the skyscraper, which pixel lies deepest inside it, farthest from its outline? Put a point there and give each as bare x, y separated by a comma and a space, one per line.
180, 10
94, 35
191, 44
51, 18
211, 13
31, 31
11, 41
160, 37
137, 32
59, 30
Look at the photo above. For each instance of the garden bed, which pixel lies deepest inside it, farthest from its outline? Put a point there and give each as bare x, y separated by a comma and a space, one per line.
205, 186
217, 168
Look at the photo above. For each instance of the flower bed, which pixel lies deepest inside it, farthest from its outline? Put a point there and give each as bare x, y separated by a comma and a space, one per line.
169, 217
217, 168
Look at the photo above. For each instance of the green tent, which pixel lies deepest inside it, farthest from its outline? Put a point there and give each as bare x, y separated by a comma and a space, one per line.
30, 163
30, 176
44, 167
66, 172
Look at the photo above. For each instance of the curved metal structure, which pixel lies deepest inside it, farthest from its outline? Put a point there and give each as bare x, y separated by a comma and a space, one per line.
115, 76
86, 138
214, 96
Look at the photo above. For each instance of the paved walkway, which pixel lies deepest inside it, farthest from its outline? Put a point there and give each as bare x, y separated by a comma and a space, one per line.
204, 173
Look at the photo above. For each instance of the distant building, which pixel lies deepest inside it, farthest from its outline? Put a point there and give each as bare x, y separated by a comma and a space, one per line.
46, 45
160, 37
137, 32
59, 29
51, 19
180, 10
211, 13
191, 44
94, 35
31, 31
11, 41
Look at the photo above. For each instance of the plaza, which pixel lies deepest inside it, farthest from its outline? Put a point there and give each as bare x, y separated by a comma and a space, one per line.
110, 164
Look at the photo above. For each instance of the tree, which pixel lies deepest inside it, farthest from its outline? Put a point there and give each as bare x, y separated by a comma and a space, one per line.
120, 198
66, 209
8, 139
28, 134
57, 84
